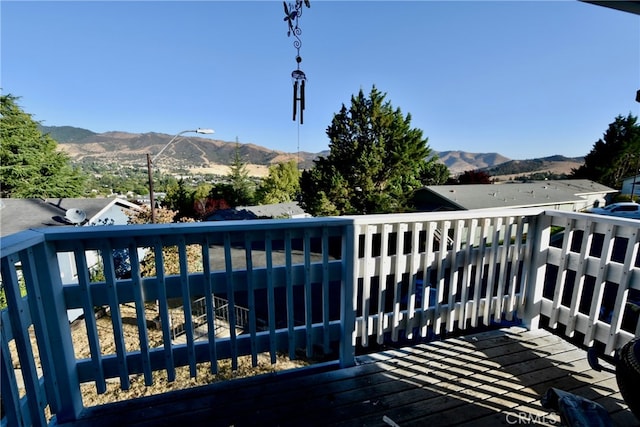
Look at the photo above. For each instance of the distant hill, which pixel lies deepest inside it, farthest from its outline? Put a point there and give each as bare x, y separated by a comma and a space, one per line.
214, 156
553, 164
461, 161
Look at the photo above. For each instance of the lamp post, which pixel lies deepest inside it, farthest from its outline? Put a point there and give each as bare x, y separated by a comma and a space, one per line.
151, 160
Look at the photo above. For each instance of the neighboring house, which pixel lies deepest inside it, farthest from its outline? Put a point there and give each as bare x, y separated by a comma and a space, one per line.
22, 214
568, 195
273, 211
631, 186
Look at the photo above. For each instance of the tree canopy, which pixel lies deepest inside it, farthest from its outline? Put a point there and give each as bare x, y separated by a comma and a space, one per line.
615, 156
30, 165
376, 161
281, 185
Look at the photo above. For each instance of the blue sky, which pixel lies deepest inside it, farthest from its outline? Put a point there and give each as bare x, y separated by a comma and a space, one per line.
523, 79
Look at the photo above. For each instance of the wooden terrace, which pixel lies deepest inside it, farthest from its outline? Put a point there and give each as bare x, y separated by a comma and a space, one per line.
423, 319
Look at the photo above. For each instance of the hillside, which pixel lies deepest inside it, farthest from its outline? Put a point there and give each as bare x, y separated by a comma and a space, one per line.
206, 155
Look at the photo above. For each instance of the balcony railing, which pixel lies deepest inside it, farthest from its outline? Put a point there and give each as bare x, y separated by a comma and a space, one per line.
323, 285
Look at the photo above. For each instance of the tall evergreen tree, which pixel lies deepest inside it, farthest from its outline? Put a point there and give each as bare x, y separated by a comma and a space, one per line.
615, 156
243, 187
30, 165
376, 161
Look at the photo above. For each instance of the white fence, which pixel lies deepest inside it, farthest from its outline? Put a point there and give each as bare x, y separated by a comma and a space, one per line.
322, 285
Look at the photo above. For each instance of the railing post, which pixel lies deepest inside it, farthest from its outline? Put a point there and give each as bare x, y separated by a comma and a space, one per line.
347, 298
541, 231
59, 333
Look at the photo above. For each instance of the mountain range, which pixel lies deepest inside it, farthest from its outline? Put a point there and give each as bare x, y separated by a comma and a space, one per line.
206, 154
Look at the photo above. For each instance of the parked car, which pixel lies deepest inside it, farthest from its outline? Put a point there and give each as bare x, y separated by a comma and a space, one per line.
621, 209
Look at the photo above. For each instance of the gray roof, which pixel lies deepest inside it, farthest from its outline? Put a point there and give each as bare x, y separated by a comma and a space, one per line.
22, 214
516, 195
277, 210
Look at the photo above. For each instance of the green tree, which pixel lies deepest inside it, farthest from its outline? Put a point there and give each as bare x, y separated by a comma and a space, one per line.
615, 156
243, 187
376, 161
180, 199
30, 165
281, 185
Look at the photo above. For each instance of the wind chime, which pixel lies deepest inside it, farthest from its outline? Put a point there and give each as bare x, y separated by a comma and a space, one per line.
293, 12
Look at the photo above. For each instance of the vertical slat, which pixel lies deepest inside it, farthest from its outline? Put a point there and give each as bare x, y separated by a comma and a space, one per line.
397, 281
163, 308
20, 323
598, 292
416, 314
562, 273
271, 299
186, 305
623, 291
441, 264
493, 259
516, 258
385, 270
401, 267
466, 274
116, 318
453, 273
308, 315
210, 307
10, 393
578, 284
290, 304
505, 247
480, 263
41, 327
141, 314
426, 276
251, 298
368, 267
89, 317
348, 297
326, 301
228, 265
54, 312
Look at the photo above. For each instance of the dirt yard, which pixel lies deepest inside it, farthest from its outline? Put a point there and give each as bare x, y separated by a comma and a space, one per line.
90, 397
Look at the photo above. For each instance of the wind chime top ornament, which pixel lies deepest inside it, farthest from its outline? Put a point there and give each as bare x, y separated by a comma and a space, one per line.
293, 12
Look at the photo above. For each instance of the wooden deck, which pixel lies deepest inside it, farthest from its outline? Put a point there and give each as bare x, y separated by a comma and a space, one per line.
486, 379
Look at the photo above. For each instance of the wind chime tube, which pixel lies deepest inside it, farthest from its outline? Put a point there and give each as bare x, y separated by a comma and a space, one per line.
295, 98
301, 102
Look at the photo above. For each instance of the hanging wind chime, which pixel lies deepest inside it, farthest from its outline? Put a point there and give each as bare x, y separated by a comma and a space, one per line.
293, 12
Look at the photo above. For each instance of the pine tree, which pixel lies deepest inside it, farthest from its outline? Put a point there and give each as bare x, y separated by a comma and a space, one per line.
243, 187
615, 156
376, 161
30, 165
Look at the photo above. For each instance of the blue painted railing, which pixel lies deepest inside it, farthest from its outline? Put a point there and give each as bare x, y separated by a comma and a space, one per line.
318, 285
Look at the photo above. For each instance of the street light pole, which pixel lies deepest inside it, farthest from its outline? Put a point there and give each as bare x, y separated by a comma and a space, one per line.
150, 162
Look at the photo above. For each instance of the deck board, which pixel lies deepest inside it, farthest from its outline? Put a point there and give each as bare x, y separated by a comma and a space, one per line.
484, 379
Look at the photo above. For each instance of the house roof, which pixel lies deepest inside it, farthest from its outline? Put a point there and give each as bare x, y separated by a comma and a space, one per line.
22, 214
277, 210
517, 195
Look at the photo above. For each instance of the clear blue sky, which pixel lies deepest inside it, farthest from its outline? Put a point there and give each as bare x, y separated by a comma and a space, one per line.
524, 79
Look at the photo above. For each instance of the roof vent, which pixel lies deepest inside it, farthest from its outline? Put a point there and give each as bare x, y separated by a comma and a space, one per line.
75, 216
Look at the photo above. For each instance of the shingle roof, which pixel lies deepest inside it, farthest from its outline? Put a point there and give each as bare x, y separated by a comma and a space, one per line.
22, 214
538, 193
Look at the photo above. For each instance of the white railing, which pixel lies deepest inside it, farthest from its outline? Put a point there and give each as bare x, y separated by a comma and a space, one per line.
321, 284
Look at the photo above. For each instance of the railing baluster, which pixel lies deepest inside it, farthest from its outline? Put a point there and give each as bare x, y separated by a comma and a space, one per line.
429, 257
440, 268
186, 305
10, 394
20, 320
251, 298
141, 313
116, 318
416, 314
367, 273
562, 272
512, 281
453, 273
598, 292
271, 299
289, 292
480, 264
163, 308
585, 246
504, 247
631, 252
89, 317
326, 300
228, 265
397, 282
492, 261
210, 308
